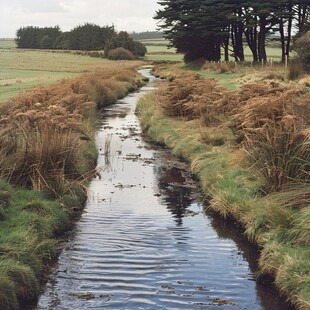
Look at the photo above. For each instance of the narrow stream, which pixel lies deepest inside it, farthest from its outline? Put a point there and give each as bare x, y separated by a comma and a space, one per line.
145, 241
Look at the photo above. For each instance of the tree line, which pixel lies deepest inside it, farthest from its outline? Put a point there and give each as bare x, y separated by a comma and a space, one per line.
147, 35
87, 37
203, 28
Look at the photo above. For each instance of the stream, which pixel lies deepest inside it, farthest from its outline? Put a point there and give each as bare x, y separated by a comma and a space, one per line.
145, 240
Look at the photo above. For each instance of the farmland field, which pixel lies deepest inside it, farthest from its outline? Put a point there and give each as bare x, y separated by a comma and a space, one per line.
23, 69
158, 50
7, 43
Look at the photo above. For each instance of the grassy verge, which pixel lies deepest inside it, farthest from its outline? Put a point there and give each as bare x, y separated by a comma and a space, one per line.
251, 152
47, 157
21, 69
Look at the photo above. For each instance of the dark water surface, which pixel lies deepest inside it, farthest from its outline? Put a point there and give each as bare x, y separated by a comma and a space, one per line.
145, 241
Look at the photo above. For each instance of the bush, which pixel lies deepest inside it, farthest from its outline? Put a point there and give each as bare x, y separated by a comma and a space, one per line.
140, 49
120, 54
295, 69
302, 47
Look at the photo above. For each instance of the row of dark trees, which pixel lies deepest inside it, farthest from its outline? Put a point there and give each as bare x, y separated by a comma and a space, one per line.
88, 37
147, 35
202, 28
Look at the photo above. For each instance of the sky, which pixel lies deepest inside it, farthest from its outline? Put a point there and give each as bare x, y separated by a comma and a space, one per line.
128, 15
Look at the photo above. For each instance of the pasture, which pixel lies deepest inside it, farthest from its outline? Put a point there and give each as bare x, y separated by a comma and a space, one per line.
22, 69
157, 49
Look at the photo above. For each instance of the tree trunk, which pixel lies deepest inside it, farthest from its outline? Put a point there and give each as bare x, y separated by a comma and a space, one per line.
289, 30
262, 40
251, 36
226, 47
282, 36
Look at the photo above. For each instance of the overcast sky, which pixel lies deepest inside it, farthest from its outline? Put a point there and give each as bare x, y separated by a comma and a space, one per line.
129, 15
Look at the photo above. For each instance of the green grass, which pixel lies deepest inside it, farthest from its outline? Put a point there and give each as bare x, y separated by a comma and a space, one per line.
157, 49
7, 43
27, 242
32, 222
281, 230
23, 69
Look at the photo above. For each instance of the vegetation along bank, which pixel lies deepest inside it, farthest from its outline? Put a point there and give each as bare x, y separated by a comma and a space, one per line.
47, 156
251, 151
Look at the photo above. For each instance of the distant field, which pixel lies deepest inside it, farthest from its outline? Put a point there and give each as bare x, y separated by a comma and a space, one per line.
157, 49
23, 69
5, 43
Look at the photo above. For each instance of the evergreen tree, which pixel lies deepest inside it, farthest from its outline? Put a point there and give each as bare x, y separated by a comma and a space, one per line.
198, 28
90, 37
123, 40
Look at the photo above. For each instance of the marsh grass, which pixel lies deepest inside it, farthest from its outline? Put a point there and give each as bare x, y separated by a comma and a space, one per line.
253, 164
271, 125
47, 148
27, 243
192, 97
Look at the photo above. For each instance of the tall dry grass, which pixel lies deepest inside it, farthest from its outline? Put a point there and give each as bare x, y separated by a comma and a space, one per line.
271, 124
260, 178
46, 135
193, 97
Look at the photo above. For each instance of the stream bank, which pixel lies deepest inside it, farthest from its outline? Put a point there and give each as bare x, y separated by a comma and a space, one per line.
145, 240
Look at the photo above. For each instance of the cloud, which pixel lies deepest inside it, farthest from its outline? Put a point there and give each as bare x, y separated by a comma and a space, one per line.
130, 15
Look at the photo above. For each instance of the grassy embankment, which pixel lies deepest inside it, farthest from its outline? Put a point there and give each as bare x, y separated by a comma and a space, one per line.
47, 156
251, 151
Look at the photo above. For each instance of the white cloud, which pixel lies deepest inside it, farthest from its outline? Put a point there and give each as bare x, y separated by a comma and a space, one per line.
129, 15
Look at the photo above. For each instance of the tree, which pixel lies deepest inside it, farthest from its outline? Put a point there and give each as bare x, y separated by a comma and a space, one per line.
62, 42
196, 28
123, 40
35, 37
302, 47
90, 37
199, 28
139, 49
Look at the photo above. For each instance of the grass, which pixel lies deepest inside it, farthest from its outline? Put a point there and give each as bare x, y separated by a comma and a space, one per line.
157, 49
24, 69
272, 207
7, 43
27, 242
47, 156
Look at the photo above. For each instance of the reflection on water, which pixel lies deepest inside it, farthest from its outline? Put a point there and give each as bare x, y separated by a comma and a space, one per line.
145, 241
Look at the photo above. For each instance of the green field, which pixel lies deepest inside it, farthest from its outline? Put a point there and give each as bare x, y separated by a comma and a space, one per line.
23, 69
7, 43
158, 50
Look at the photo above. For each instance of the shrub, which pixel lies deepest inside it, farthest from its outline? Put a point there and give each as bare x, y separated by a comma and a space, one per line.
271, 125
192, 97
120, 54
103, 95
302, 47
280, 157
295, 69
139, 49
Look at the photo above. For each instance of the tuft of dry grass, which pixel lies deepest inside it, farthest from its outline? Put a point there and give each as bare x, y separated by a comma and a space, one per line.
220, 67
253, 158
45, 135
271, 124
193, 97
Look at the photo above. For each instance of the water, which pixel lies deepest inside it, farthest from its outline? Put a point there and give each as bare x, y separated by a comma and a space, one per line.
145, 240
